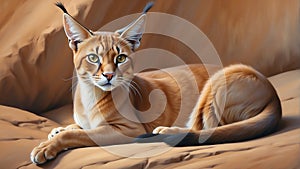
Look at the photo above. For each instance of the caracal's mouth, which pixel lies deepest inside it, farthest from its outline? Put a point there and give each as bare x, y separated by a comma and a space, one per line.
107, 84
106, 87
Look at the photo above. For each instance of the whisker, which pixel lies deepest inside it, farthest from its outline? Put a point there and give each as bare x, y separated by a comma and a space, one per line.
83, 79
136, 91
135, 84
134, 88
71, 78
124, 86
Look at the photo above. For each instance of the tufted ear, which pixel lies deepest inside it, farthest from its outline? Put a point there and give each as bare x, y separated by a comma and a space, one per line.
75, 32
134, 31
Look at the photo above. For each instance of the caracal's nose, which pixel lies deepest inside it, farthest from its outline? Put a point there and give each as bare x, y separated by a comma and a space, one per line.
108, 76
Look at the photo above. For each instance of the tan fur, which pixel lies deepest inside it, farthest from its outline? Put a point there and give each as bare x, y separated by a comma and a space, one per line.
237, 103
114, 114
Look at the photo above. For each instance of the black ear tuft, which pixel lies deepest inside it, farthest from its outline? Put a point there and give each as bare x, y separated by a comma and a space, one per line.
148, 7
62, 7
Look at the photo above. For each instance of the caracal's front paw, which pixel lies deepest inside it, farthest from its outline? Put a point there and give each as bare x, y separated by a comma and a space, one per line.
55, 131
58, 130
45, 151
166, 130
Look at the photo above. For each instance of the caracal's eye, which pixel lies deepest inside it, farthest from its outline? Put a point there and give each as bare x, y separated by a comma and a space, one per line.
93, 58
121, 58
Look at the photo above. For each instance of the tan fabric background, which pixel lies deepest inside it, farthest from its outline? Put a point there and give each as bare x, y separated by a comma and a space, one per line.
36, 63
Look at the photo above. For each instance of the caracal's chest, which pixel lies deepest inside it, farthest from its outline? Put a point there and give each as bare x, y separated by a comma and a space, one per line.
94, 108
86, 113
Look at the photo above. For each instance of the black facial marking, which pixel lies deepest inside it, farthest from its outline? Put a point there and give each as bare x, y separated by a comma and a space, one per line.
118, 49
97, 50
80, 63
98, 68
76, 45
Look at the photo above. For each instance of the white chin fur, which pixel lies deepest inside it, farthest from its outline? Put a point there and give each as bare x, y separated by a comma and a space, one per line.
106, 87
103, 85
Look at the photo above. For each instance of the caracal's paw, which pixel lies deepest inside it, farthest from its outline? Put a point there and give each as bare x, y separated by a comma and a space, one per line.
55, 131
58, 130
166, 130
45, 151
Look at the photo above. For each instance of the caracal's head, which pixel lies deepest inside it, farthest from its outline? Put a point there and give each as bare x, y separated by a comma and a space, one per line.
103, 58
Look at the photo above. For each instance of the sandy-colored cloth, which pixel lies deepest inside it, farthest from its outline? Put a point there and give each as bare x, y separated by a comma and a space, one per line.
21, 131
